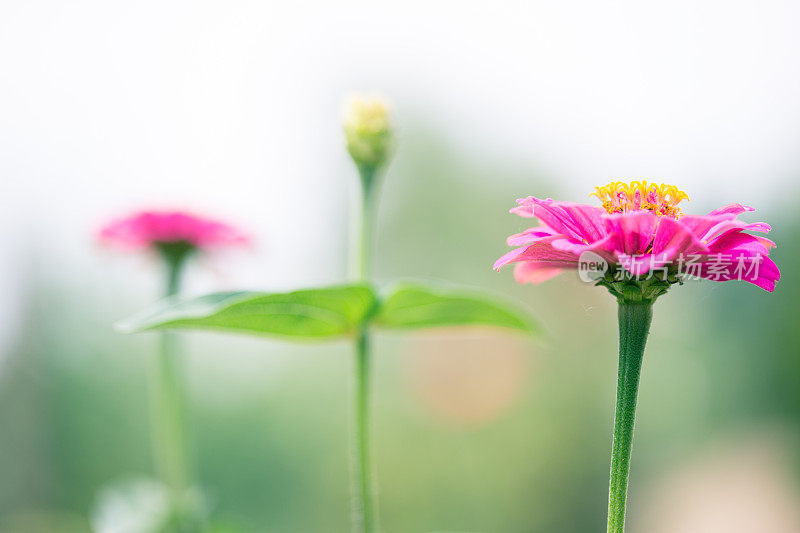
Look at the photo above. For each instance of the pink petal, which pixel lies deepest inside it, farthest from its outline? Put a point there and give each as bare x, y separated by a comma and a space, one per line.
700, 225
742, 257
735, 209
530, 235
605, 247
766, 243
735, 242
148, 228
532, 272
581, 222
759, 270
639, 265
540, 252
730, 226
674, 238
634, 231
525, 207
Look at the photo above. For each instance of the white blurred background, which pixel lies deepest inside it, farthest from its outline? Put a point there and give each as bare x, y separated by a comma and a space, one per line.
234, 107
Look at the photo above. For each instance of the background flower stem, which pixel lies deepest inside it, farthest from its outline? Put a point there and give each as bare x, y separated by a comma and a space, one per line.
364, 493
634, 325
168, 412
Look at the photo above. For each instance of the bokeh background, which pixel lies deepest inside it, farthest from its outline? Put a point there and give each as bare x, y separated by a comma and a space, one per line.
232, 109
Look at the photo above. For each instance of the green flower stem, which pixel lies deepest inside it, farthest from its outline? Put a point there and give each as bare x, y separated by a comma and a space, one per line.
363, 506
362, 251
634, 324
168, 419
363, 498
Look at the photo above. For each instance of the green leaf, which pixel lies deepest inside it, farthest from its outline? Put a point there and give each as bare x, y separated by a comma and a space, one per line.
413, 305
305, 314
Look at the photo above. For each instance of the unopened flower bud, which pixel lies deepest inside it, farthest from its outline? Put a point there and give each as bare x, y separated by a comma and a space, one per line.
368, 131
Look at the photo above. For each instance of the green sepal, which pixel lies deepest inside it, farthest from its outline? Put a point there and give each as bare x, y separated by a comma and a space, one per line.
628, 288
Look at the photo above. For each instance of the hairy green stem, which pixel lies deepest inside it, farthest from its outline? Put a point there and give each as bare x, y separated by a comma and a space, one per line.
168, 410
634, 324
364, 513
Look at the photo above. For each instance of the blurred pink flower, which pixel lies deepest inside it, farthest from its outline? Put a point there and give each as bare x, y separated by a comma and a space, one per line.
147, 229
639, 228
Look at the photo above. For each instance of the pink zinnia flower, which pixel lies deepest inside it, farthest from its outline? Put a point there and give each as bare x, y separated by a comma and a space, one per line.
640, 229
155, 229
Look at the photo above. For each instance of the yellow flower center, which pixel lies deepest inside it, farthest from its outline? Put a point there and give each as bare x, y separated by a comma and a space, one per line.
618, 197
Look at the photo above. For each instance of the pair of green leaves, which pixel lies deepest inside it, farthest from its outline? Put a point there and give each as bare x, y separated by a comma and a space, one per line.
331, 311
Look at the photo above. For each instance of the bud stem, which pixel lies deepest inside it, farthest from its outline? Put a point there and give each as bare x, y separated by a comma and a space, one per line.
364, 514
634, 325
362, 250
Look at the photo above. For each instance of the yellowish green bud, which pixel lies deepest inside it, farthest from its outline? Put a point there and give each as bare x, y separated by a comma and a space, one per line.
368, 131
